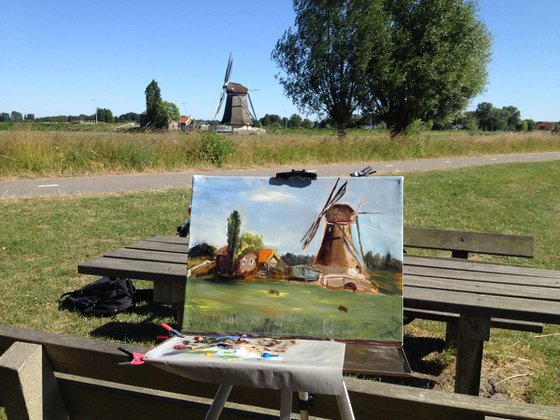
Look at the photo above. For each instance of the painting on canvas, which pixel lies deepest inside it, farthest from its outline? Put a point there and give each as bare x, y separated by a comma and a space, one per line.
321, 259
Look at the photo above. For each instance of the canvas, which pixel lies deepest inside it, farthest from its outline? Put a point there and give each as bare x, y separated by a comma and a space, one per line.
319, 259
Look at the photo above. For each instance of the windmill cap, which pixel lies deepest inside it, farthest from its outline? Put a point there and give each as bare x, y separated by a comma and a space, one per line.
340, 212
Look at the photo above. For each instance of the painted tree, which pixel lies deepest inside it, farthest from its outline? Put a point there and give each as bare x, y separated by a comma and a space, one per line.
233, 231
249, 242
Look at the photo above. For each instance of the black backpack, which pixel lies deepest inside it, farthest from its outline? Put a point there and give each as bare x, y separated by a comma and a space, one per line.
104, 297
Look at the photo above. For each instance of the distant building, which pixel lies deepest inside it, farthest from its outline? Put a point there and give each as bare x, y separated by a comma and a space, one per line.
545, 125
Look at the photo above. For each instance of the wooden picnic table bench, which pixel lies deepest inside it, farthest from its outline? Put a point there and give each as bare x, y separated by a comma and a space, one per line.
479, 294
52, 376
461, 244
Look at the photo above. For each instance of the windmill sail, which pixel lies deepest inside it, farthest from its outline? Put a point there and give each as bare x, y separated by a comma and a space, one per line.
236, 111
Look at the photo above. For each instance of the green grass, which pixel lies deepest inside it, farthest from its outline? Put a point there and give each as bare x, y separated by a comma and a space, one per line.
42, 240
26, 152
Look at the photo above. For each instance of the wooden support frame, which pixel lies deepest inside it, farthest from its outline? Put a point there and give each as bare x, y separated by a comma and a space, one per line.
87, 372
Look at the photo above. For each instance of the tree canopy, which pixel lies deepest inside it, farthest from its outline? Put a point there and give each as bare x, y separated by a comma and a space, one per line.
325, 57
158, 111
399, 60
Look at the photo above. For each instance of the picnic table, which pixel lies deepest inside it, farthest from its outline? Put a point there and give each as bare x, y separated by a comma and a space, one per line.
478, 291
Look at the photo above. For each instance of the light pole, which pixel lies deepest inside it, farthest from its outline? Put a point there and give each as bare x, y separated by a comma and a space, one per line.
93, 100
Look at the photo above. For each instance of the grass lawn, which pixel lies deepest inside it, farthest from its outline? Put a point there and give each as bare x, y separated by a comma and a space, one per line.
42, 240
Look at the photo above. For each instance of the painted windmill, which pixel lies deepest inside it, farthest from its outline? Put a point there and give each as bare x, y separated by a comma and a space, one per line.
338, 257
236, 111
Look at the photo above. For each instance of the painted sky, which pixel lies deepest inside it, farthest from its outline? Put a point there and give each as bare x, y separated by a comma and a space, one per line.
70, 57
283, 214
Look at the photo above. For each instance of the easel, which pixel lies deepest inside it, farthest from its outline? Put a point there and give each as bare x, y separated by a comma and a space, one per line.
309, 367
308, 364
222, 395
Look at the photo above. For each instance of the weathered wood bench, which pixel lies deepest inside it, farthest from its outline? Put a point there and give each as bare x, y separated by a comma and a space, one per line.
461, 244
81, 378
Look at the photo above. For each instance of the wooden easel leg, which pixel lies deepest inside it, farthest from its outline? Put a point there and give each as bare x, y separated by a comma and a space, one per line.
219, 402
473, 331
285, 404
346, 412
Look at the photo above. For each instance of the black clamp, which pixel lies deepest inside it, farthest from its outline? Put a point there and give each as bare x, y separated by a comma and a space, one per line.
305, 405
367, 171
301, 175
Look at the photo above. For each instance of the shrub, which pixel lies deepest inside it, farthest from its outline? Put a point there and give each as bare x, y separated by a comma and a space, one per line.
216, 148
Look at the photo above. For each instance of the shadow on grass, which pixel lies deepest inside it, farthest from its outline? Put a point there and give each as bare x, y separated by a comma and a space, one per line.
145, 330
417, 348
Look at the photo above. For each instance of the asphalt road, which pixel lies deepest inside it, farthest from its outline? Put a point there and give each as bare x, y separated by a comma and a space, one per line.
161, 181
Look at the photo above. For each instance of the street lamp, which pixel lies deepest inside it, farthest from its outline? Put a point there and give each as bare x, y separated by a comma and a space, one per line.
95, 112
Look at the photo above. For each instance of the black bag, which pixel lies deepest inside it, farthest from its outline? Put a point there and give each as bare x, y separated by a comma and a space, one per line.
104, 297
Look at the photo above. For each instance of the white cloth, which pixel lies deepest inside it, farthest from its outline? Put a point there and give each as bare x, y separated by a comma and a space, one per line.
298, 365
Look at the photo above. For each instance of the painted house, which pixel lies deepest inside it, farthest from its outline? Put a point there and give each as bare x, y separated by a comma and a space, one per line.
269, 262
247, 264
222, 263
305, 272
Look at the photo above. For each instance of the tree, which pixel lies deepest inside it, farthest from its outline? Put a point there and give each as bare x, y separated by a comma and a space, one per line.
271, 121
325, 58
401, 60
233, 229
434, 62
307, 123
295, 121
16, 116
105, 115
4, 117
154, 106
529, 125
130, 116
170, 111
483, 112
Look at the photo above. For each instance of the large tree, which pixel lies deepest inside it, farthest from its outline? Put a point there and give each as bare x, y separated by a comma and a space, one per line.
155, 115
324, 58
433, 64
399, 60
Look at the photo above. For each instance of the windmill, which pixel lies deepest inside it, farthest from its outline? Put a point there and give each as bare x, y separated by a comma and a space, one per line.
338, 258
236, 112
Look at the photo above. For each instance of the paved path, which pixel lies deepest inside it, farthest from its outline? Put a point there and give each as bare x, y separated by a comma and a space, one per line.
160, 181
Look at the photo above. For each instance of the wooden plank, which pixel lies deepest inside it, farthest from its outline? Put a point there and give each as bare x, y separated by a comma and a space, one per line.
143, 255
488, 288
160, 246
141, 403
493, 306
514, 279
97, 360
481, 243
169, 240
140, 270
484, 266
506, 324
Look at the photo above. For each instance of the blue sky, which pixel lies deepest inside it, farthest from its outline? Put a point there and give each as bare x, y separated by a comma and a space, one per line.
283, 214
64, 57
